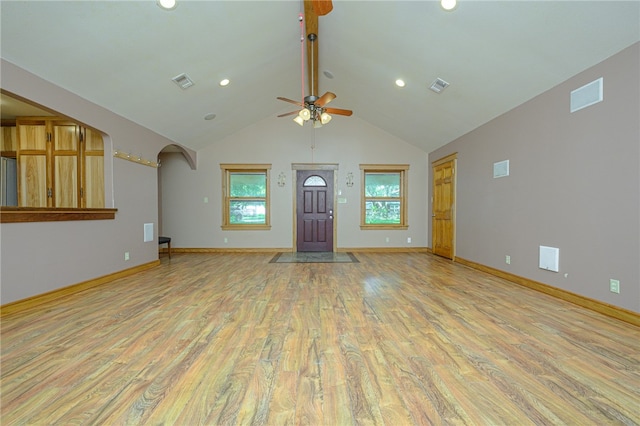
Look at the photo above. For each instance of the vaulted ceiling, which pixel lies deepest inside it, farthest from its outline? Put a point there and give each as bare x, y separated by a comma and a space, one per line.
496, 55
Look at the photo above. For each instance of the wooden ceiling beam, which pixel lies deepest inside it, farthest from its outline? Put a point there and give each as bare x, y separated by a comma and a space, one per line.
311, 27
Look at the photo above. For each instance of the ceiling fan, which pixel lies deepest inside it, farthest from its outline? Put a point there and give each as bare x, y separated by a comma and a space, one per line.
313, 107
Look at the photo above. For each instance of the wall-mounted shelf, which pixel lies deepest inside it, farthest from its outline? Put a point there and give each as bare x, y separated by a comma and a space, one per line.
135, 158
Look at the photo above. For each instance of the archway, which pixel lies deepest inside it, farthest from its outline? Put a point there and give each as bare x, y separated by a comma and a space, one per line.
189, 155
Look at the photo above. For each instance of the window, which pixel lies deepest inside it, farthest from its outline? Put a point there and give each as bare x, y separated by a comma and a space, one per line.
384, 196
245, 192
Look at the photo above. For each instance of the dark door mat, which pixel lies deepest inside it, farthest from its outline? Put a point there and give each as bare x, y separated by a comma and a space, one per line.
314, 257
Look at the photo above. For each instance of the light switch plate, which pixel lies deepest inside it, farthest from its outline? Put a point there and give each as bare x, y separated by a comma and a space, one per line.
614, 286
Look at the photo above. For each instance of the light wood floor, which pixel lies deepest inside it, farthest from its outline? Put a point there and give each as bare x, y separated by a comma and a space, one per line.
396, 339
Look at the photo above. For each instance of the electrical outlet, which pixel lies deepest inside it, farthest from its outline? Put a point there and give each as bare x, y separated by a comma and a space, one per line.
507, 260
409, 240
226, 240
206, 200
614, 286
386, 240
126, 255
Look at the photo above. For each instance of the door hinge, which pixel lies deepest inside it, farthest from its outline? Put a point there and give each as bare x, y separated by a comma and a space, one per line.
49, 193
81, 192
49, 137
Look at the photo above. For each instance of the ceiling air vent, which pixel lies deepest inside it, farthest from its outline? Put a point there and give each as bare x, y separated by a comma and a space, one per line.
439, 85
183, 81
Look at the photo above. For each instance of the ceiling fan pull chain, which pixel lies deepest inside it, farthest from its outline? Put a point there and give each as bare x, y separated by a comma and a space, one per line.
301, 19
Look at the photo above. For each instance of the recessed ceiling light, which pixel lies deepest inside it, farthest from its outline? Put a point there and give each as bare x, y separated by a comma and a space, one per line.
224, 82
400, 83
448, 4
210, 116
167, 4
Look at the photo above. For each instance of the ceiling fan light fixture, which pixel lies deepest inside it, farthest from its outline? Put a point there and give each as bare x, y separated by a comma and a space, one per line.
299, 120
325, 118
304, 114
317, 124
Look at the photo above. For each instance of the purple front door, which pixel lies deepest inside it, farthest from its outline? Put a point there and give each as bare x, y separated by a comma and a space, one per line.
314, 209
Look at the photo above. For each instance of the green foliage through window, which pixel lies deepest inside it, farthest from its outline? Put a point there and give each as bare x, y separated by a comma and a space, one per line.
248, 184
244, 208
383, 196
382, 212
246, 196
247, 212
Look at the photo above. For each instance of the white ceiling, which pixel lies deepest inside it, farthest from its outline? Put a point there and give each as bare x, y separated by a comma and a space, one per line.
495, 54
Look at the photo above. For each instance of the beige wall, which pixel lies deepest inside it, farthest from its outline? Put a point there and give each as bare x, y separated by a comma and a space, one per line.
346, 141
574, 184
40, 257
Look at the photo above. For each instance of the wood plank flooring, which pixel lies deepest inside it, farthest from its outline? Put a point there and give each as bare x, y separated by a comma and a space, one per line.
397, 339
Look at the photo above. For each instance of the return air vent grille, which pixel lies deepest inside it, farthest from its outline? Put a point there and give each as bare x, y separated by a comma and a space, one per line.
439, 85
183, 81
586, 95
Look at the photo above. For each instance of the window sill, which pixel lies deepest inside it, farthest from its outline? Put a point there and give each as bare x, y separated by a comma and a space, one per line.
246, 227
45, 214
393, 227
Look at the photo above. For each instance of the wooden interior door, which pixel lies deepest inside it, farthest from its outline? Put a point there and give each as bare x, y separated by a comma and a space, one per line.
443, 215
314, 210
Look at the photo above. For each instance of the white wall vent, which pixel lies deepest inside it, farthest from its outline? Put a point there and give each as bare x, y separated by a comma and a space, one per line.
586, 95
439, 85
183, 81
501, 169
148, 232
549, 258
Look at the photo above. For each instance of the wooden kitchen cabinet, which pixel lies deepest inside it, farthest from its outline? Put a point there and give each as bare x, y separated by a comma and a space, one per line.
60, 164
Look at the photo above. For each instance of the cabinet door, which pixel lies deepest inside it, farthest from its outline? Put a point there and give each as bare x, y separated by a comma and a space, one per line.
8, 140
60, 164
93, 157
66, 158
32, 163
32, 181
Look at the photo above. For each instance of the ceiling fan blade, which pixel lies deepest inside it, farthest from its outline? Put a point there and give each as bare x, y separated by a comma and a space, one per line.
325, 99
289, 113
338, 111
322, 7
290, 101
